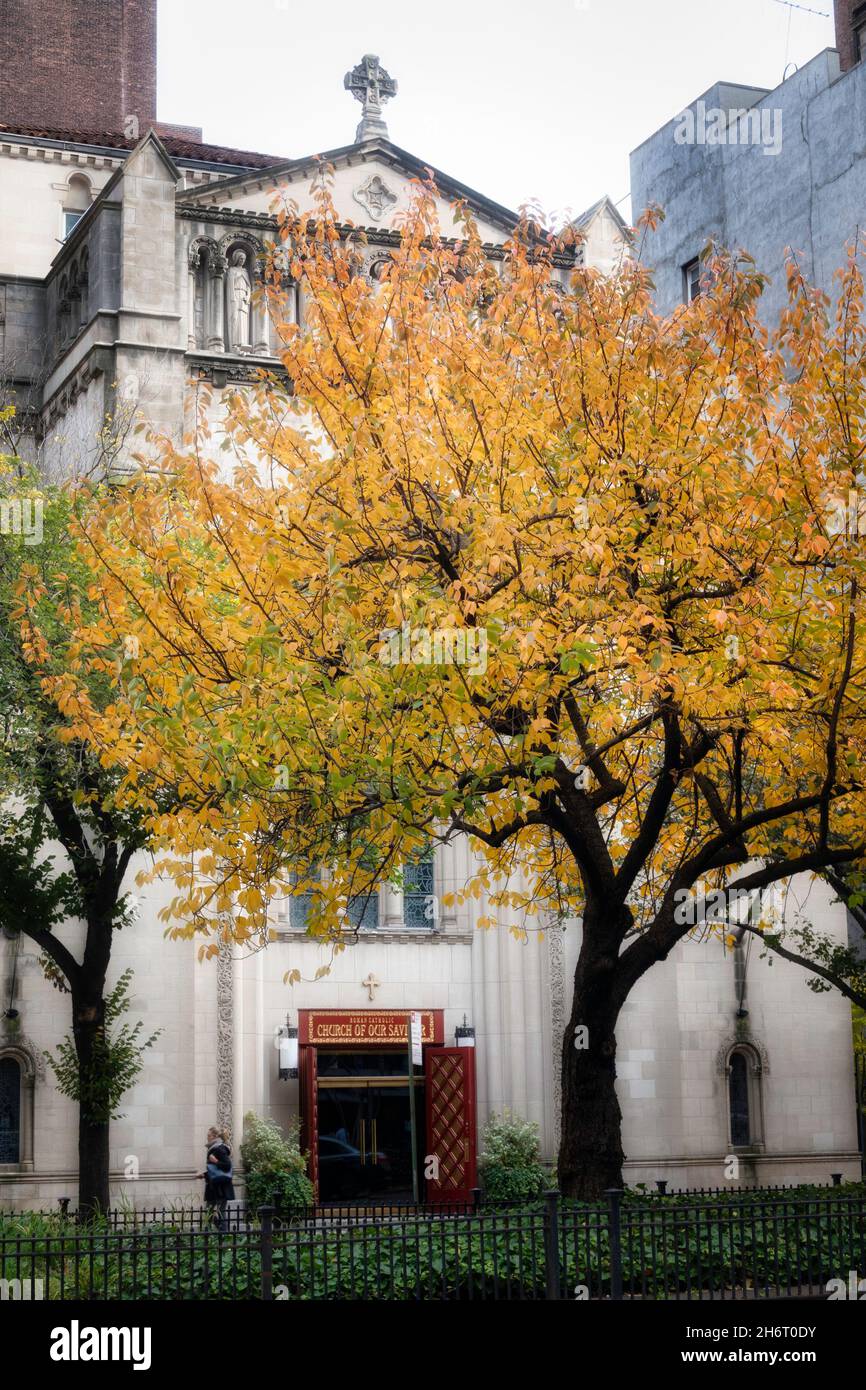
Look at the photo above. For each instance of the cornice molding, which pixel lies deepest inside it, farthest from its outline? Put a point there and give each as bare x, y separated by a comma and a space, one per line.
399, 936
226, 216
20, 147
221, 369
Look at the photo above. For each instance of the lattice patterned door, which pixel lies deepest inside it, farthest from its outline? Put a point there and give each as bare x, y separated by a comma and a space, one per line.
451, 1136
309, 1098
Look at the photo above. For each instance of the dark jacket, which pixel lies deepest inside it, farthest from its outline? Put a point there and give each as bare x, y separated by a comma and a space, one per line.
215, 1192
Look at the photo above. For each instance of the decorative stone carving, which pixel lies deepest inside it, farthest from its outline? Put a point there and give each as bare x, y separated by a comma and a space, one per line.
746, 1041
201, 250
19, 1046
225, 1037
556, 954
372, 86
243, 241
373, 264
375, 197
219, 374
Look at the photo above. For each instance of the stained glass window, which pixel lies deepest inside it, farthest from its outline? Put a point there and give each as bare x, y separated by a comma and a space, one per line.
299, 910
364, 910
10, 1110
419, 902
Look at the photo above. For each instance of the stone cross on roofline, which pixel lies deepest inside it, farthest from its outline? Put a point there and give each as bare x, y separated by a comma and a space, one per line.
371, 85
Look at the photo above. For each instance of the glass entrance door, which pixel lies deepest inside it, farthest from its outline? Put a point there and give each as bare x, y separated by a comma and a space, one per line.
364, 1129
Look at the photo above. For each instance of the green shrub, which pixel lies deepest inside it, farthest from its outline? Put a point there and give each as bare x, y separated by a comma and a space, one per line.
510, 1164
265, 1149
274, 1167
513, 1184
289, 1193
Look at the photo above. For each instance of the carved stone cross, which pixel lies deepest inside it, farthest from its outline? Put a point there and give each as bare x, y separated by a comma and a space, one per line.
371, 984
371, 85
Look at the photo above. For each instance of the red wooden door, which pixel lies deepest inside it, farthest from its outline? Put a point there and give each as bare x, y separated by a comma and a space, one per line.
449, 1074
309, 1098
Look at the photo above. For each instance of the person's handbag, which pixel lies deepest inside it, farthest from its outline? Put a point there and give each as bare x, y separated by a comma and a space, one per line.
217, 1174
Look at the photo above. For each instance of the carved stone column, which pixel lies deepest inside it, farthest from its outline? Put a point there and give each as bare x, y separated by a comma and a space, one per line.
261, 327
194, 262
393, 907
225, 1037
556, 948
291, 291
28, 1087
216, 338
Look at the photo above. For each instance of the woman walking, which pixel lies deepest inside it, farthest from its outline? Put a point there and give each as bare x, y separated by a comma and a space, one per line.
218, 1174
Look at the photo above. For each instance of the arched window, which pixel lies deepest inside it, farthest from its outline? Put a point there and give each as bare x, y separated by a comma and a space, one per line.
10, 1110
76, 201
738, 1100
744, 1097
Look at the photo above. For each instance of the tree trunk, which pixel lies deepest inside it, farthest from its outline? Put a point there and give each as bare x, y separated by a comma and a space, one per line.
93, 1193
590, 1152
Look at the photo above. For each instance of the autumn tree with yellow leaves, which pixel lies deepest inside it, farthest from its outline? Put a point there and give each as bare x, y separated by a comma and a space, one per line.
624, 531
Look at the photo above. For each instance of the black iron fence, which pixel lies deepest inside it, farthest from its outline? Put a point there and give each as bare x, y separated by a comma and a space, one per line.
632, 1246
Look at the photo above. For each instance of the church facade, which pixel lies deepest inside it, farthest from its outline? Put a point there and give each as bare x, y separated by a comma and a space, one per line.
130, 253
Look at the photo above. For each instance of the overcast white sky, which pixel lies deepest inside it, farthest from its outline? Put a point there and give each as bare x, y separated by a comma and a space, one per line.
541, 99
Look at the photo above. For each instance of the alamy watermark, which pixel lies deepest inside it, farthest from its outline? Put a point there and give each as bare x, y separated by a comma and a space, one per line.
77, 1343
854, 1289
734, 905
845, 514
18, 1289
702, 125
439, 646
22, 516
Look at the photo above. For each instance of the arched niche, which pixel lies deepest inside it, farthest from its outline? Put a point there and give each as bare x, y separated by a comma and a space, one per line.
202, 259
247, 325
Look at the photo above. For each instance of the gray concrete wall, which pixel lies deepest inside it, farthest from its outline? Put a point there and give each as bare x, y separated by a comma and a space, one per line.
810, 196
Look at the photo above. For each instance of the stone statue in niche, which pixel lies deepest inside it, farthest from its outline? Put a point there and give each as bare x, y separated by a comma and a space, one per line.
239, 292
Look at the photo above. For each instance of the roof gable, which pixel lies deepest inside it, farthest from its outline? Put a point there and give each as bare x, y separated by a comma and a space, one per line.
603, 205
371, 187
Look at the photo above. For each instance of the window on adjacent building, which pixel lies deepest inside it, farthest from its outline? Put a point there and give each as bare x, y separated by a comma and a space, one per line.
76, 201
10, 1110
691, 280
69, 220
